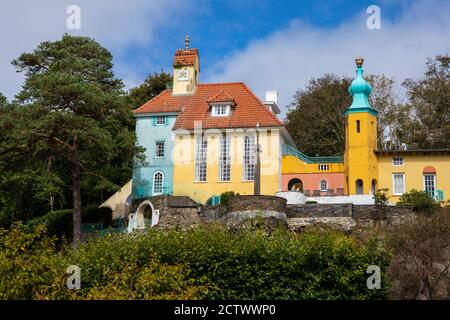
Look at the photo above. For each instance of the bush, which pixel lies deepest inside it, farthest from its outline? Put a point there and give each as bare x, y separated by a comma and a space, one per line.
419, 201
204, 262
60, 223
381, 197
226, 196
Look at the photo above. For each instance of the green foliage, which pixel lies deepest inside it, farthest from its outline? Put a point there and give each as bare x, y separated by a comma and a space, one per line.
29, 263
226, 196
60, 223
206, 263
153, 85
315, 117
419, 201
69, 135
381, 197
429, 104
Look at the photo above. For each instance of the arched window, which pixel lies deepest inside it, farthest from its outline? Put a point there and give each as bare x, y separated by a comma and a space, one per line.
158, 181
359, 187
429, 181
323, 185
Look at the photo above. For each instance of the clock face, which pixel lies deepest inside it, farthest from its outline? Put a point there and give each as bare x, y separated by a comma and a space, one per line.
183, 74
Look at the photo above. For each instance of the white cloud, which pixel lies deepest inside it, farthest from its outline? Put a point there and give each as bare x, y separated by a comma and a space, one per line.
118, 25
288, 58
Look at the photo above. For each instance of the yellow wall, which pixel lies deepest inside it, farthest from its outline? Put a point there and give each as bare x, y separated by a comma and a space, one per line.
118, 200
183, 86
413, 166
359, 159
184, 164
292, 164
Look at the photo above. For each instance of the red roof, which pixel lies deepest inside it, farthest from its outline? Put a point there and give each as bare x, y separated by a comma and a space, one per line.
220, 97
248, 110
185, 57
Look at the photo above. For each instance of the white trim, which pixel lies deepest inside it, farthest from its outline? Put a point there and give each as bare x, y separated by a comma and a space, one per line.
434, 182
326, 185
162, 183
393, 183
398, 165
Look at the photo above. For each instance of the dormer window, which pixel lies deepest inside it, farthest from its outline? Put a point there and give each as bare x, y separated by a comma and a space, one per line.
220, 110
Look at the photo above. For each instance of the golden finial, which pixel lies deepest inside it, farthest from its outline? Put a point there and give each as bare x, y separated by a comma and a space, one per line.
359, 62
186, 42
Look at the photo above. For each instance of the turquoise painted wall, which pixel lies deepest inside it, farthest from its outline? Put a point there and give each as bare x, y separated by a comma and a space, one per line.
148, 133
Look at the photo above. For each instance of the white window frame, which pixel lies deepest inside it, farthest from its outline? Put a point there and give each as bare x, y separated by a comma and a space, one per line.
326, 185
398, 161
323, 167
158, 122
163, 149
201, 154
224, 159
155, 191
434, 183
394, 190
249, 158
220, 110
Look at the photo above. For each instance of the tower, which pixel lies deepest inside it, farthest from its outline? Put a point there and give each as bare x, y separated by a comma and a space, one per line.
186, 70
361, 169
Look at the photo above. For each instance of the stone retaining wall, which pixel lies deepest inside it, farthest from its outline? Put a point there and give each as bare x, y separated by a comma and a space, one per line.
245, 203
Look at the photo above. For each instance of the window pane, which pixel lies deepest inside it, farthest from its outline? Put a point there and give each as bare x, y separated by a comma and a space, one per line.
399, 184
224, 160
157, 183
160, 149
200, 159
160, 120
249, 158
430, 184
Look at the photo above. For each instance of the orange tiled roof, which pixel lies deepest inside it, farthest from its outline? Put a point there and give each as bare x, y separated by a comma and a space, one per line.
222, 96
248, 110
185, 57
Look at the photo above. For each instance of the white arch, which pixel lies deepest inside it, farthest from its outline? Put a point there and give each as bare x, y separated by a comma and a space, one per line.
162, 182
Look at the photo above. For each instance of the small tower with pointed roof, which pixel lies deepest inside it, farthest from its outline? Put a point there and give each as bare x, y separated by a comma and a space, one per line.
186, 70
360, 161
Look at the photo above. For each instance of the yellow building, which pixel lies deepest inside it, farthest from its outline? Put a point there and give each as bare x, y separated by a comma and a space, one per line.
364, 168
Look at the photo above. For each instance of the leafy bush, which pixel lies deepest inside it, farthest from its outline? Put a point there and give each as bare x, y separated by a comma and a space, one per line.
381, 197
419, 201
226, 196
206, 263
28, 262
60, 223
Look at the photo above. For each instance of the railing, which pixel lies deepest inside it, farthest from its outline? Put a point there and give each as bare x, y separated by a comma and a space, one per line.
288, 150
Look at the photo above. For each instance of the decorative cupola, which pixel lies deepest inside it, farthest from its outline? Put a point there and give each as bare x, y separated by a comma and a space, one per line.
360, 90
186, 70
360, 161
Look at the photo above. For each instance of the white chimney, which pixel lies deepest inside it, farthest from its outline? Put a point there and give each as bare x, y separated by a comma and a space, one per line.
271, 101
272, 96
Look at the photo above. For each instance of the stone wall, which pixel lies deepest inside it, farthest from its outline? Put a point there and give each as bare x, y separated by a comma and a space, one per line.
319, 210
245, 203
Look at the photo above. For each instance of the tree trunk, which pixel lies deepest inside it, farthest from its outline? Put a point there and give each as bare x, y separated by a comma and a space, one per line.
76, 194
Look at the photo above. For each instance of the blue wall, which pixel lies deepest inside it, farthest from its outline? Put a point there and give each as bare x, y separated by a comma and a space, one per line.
148, 133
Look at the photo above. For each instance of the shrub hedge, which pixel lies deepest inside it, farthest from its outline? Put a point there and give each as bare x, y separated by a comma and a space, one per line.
199, 263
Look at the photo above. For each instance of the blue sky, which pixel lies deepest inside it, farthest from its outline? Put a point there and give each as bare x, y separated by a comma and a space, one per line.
267, 44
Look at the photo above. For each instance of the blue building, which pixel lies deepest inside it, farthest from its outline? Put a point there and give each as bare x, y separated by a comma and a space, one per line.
154, 133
